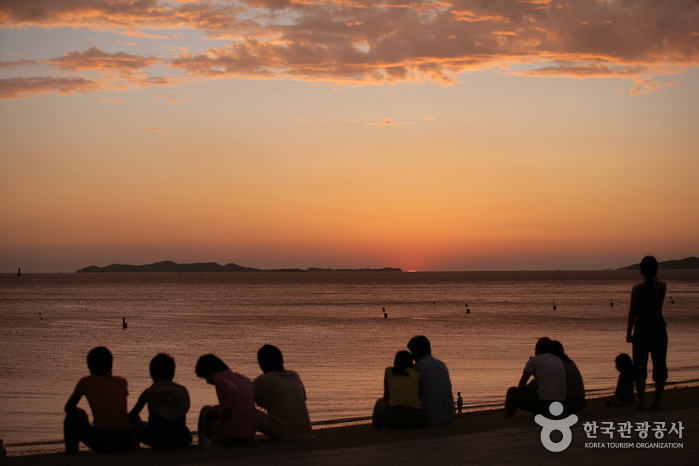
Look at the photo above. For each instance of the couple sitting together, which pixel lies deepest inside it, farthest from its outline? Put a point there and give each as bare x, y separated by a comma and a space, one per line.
415, 394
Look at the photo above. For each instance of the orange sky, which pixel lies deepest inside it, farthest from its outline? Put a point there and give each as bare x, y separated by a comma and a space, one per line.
425, 135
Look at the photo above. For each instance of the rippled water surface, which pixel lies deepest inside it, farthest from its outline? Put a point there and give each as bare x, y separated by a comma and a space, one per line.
329, 325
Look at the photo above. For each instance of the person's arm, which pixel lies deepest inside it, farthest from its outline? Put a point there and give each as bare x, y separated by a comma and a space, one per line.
72, 402
139, 406
633, 312
525, 378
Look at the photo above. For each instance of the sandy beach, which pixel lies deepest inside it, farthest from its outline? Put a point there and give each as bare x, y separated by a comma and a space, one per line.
471, 431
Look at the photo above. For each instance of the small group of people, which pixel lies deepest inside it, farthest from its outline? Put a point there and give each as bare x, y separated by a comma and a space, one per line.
556, 378
417, 390
234, 421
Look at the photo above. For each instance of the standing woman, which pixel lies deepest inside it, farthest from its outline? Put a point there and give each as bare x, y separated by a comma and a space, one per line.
650, 334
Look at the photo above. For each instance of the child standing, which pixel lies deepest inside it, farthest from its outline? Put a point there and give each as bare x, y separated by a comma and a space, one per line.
106, 395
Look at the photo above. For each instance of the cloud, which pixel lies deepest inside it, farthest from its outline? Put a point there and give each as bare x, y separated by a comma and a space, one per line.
427, 118
362, 42
646, 85
120, 64
388, 122
157, 130
13, 64
17, 88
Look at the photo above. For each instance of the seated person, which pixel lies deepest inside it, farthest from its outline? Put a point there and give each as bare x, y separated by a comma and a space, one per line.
168, 404
549, 383
106, 395
575, 388
623, 396
400, 407
435, 392
282, 395
233, 421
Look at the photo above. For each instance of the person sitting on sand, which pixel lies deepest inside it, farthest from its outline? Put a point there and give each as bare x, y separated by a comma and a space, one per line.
575, 388
168, 404
549, 383
436, 395
106, 395
233, 421
282, 395
623, 395
647, 331
400, 407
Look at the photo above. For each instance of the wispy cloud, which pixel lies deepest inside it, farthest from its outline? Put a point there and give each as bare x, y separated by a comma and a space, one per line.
156, 130
17, 88
388, 122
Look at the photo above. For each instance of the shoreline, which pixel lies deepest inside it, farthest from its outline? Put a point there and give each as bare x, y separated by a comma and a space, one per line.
677, 399
14, 449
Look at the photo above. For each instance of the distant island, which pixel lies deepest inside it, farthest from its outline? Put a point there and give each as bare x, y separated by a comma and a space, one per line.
199, 267
689, 263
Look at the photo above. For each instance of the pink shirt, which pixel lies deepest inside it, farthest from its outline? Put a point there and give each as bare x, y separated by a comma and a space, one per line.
235, 393
107, 399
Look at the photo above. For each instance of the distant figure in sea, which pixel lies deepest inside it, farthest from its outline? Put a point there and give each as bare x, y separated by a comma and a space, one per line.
647, 331
106, 395
385, 315
436, 395
282, 395
168, 404
575, 388
234, 420
549, 382
123, 322
623, 395
400, 407
459, 404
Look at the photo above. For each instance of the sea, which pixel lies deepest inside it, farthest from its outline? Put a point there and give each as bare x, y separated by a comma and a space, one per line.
330, 327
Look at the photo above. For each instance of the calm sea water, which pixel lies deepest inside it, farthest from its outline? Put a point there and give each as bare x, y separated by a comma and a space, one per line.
329, 325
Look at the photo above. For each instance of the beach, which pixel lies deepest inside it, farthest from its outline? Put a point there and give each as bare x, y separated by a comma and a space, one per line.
479, 437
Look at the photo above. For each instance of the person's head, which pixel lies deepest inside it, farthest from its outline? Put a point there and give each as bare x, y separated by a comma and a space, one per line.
557, 350
270, 359
99, 361
420, 347
402, 361
543, 345
624, 364
649, 268
162, 366
208, 365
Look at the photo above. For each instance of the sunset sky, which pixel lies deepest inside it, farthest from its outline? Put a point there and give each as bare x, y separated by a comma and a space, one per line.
426, 135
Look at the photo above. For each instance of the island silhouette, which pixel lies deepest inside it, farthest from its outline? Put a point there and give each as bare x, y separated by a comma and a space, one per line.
199, 267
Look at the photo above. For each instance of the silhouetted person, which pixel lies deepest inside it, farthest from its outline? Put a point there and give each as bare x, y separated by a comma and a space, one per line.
400, 407
623, 395
549, 383
647, 331
437, 399
282, 395
168, 404
123, 322
459, 404
575, 388
106, 395
233, 421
